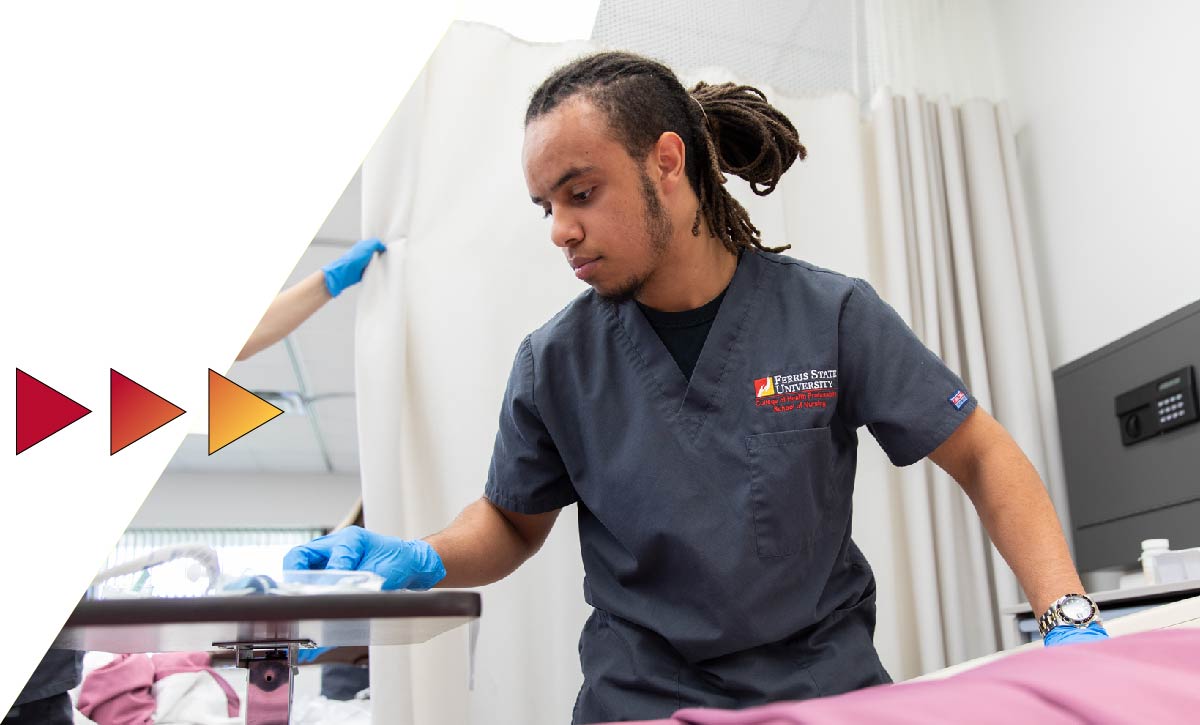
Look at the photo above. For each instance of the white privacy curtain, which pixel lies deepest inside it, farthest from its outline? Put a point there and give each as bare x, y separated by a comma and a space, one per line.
955, 248
470, 271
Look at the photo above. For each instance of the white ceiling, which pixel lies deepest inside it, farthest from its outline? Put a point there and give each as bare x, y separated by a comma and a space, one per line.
799, 47
325, 440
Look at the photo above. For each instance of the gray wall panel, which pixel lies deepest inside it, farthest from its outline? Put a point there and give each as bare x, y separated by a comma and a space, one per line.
1120, 495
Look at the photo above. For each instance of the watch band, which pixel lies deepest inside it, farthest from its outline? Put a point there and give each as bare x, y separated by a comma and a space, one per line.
1054, 617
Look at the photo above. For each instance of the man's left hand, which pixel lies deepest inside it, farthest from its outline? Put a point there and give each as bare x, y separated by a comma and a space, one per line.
1067, 634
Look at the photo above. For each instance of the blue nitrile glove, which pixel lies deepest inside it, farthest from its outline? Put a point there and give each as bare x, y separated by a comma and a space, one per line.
348, 269
403, 564
1067, 634
307, 655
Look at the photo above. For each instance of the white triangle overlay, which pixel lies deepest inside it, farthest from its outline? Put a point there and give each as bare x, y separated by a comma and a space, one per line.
164, 168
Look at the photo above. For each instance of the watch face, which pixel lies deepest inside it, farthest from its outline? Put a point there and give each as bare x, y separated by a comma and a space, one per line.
1076, 609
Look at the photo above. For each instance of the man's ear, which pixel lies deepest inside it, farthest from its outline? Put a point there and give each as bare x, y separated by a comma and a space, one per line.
667, 160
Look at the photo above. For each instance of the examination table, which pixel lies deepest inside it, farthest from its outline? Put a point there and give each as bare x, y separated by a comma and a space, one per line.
1149, 672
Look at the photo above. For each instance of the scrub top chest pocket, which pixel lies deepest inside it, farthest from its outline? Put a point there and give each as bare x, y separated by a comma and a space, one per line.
791, 489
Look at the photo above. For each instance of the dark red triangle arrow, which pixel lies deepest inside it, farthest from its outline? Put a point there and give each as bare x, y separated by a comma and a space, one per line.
42, 411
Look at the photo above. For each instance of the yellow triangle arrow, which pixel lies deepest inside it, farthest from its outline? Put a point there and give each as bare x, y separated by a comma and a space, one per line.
233, 411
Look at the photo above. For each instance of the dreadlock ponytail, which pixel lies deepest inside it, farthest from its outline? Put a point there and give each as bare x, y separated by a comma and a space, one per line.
747, 137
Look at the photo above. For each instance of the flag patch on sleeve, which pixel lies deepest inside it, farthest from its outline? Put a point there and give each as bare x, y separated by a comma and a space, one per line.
959, 399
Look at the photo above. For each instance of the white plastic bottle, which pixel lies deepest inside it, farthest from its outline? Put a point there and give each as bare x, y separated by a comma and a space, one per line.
1151, 548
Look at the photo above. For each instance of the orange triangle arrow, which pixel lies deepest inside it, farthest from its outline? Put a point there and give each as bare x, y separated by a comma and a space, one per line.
233, 411
135, 412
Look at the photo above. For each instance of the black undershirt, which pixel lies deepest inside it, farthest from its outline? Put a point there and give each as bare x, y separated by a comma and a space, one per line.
683, 333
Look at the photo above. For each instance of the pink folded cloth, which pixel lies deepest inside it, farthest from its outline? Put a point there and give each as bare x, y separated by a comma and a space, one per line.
119, 692
122, 691
1153, 677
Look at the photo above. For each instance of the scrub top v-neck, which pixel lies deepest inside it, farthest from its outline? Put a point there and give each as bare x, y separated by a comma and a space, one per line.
683, 333
714, 514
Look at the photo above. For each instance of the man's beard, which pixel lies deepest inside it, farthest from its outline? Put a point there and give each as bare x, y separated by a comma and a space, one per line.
658, 231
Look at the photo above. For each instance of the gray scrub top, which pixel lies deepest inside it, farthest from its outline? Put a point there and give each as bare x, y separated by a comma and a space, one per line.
716, 513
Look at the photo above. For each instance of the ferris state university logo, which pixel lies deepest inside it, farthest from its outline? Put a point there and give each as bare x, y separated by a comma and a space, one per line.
796, 391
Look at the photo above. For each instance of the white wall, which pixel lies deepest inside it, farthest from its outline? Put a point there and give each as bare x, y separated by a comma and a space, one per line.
231, 500
1105, 99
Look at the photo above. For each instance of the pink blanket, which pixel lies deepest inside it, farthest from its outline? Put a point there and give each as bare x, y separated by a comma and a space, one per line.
121, 692
1153, 677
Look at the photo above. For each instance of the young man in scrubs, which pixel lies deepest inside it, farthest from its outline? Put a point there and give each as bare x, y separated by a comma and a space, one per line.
700, 406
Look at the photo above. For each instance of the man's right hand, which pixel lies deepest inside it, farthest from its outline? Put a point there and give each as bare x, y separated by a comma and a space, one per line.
403, 564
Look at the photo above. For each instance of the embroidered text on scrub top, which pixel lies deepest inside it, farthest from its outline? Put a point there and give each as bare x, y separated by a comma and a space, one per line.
796, 391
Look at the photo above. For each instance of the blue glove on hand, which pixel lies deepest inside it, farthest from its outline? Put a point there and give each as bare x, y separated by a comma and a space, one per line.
403, 564
305, 656
348, 269
1066, 634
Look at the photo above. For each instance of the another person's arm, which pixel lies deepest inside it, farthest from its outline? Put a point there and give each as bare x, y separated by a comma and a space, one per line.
298, 302
291, 307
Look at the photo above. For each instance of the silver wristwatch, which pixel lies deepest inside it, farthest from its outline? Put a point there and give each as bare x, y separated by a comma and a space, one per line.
1077, 610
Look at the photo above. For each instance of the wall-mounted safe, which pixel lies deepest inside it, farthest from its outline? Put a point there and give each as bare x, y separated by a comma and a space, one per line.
1158, 406
1133, 470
